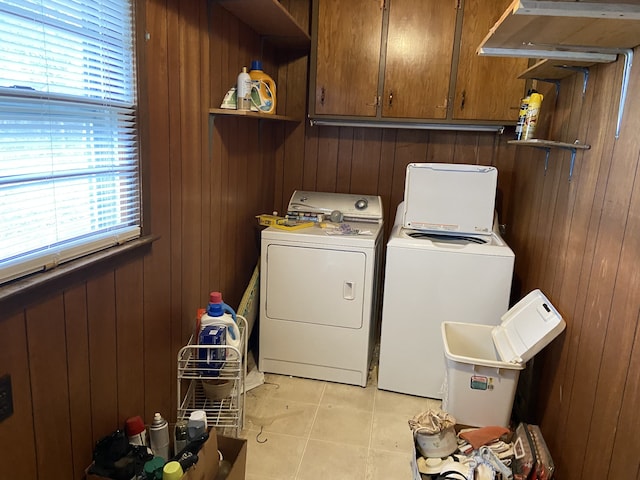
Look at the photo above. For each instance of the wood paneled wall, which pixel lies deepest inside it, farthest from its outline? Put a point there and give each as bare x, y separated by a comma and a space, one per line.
90, 351
579, 242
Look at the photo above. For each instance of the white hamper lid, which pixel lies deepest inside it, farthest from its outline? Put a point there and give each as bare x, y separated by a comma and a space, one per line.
527, 328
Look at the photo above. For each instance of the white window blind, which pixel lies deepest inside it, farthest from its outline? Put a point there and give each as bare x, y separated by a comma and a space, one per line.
69, 173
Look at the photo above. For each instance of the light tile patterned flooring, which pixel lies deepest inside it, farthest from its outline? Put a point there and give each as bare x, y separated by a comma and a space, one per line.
301, 429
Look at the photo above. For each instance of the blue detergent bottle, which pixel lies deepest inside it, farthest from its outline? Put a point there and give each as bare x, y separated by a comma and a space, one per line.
219, 313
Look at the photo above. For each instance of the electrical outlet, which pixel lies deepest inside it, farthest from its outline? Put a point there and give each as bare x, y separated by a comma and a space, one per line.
6, 397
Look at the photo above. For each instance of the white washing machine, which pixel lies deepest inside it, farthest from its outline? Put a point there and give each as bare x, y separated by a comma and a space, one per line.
431, 278
318, 291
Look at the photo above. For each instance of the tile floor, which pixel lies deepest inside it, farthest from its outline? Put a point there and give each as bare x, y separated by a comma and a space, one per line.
302, 429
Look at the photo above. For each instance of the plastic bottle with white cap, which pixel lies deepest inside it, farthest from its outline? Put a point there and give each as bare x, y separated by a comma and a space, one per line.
197, 424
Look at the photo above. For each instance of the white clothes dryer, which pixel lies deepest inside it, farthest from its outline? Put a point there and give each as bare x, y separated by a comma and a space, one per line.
431, 278
319, 291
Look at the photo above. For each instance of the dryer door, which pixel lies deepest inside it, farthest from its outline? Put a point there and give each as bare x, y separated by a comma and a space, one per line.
315, 285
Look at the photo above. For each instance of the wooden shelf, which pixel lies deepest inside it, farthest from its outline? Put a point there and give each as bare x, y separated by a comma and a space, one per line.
576, 31
271, 20
540, 143
573, 31
547, 145
245, 114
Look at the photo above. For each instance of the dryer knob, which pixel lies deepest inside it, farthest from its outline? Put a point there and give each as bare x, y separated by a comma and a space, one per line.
336, 216
362, 204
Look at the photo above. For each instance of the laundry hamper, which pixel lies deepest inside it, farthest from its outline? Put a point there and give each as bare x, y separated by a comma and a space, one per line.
483, 362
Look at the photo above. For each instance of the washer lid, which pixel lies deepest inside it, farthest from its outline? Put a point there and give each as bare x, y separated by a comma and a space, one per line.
451, 198
528, 327
354, 208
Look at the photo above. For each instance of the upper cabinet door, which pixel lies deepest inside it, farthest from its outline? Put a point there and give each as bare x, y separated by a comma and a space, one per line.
420, 41
348, 57
486, 87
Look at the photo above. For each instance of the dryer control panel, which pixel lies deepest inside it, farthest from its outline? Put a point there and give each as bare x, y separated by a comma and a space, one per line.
336, 206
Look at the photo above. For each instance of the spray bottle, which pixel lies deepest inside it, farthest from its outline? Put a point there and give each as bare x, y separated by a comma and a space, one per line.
524, 104
263, 90
531, 118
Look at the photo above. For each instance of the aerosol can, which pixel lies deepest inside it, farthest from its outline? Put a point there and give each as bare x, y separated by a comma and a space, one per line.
524, 104
531, 118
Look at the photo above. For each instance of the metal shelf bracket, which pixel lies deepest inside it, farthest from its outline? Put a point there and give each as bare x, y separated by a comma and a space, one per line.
548, 151
547, 145
585, 75
628, 61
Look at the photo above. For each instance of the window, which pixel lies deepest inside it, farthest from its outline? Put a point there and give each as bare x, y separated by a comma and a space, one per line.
69, 175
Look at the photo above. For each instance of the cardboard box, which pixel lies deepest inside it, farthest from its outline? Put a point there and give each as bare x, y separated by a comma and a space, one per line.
233, 449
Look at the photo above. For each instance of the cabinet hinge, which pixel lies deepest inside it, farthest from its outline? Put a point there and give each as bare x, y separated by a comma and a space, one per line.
459, 5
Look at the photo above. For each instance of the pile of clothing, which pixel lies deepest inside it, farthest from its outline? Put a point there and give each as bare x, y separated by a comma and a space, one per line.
485, 453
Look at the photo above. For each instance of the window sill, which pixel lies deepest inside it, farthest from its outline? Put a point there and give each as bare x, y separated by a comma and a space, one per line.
18, 288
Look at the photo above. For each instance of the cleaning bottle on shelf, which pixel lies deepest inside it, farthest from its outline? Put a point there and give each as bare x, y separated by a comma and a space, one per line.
218, 328
219, 313
531, 118
263, 90
243, 88
522, 114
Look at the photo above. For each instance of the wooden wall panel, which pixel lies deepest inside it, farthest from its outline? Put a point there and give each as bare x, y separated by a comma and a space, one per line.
77, 335
591, 178
622, 351
101, 346
192, 127
17, 440
46, 345
103, 363
615, 319
130, 340
585, 263
161, 271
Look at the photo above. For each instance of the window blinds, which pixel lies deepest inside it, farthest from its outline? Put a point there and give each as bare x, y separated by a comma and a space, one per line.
69, 173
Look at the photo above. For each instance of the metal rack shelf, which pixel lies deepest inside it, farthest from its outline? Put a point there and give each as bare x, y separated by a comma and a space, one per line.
223, 364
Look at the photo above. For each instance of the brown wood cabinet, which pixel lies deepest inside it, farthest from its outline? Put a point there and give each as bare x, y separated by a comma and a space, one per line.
486, 87
407, 60
348, 56
419, 51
